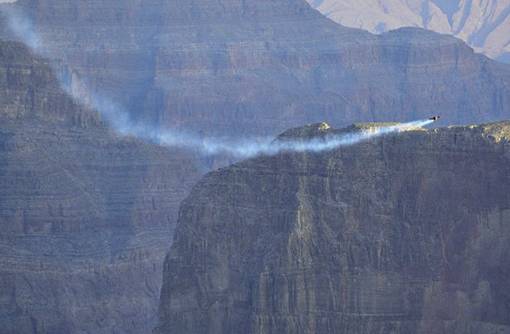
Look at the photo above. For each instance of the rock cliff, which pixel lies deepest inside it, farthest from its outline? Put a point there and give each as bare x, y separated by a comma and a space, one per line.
236, 67
408, 233
85, 216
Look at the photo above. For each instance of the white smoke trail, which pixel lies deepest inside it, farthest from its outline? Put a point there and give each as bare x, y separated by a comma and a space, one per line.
20, 26
121, 122
267, 146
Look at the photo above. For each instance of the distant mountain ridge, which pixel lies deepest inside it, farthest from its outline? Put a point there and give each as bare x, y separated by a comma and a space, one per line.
483, 24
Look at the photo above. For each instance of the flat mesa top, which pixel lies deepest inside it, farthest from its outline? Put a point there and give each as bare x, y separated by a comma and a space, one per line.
321, 129
370, 126
498, 131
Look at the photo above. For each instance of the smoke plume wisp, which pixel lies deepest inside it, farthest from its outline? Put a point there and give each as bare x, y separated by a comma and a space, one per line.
267, 146
120, 120
20, 26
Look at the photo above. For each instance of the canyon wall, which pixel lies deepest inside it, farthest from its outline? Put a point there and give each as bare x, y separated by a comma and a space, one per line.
235, 67
85, 215
408, 233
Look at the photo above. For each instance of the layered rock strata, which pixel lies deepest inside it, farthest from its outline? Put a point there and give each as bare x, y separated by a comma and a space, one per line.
85, 215
408, 233
235, 67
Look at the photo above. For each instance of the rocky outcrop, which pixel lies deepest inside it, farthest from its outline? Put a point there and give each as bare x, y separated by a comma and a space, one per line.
407, 233
85, 215
258, 67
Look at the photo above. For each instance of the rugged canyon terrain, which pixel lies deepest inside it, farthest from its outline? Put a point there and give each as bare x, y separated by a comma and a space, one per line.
408, 233
85, 215
483, 24
236, 67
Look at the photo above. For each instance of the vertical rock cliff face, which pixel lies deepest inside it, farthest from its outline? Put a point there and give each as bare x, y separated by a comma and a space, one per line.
85, 216
240, 67
404, 234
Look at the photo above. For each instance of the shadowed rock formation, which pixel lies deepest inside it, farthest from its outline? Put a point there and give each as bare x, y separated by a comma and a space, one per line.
409, 233
85, 216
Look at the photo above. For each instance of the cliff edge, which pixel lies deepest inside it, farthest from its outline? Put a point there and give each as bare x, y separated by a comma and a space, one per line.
407, 233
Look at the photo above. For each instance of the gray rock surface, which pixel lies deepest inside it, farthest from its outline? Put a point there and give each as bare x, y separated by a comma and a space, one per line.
85, 215
407, 233
236, 67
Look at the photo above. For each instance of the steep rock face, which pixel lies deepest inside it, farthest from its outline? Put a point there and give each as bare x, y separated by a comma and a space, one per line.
408, 233
85, 216
258, 67
485, 25
30, 92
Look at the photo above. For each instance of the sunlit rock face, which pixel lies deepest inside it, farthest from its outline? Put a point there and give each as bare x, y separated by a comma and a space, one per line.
259, 67
85, 215
408, 233
484, 25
